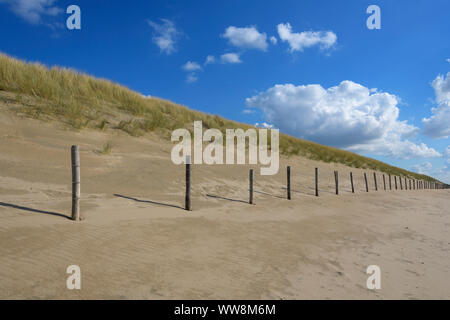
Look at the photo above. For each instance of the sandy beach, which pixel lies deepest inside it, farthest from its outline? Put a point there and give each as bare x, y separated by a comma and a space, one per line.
137, 242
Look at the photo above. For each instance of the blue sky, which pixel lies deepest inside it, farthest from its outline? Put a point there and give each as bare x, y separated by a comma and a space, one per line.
311, 68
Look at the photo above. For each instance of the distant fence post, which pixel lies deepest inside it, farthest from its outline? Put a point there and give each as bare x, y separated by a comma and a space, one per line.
395, 179
390, 182
406, 184
384, 182
251, 178
375, 180
317, 182
351, 181
336, 180
365, 179
401, 183
187, 204
410, 184
289, 183
76, 189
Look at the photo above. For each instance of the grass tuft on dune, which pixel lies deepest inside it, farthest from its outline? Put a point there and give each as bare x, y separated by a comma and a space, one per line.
82, 101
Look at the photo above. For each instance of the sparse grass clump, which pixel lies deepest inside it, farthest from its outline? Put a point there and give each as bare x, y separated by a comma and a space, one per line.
106, 150
83, 101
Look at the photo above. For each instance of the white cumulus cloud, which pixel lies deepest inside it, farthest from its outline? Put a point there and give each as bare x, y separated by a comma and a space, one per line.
423, 168
191, 66
438, 125
248, 37
165, 35
264, 125
210, 59
305, 39
191, 78
33, 10
447, 153
273, 40
230, 58
348, 116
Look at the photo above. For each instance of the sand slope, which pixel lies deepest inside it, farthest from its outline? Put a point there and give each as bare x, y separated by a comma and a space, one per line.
136, 241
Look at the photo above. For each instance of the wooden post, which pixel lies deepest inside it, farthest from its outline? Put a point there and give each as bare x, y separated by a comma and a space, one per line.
390, 182
251, 178
401, 183
317, 182
384, 182
375, 180
76, 189
395, 178
187, 204
336, 179
409, 184
289, 183
351, 181
406, 184
365, 179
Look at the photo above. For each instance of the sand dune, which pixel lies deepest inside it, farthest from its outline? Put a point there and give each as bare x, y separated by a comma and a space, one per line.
137, 242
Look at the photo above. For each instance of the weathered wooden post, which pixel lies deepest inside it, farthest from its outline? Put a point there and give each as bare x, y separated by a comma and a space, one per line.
390, 182
410, 184
384, 182
395, 179
336, 180
289, 183
251, 178
401, 183
375, 180
317, 182
187, 204
351, 181
365, 179
76, 189
406, 184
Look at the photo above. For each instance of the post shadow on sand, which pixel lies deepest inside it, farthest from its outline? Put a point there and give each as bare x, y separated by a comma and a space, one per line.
14, 206
306, 193
225, 198
149, 201
269, 194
